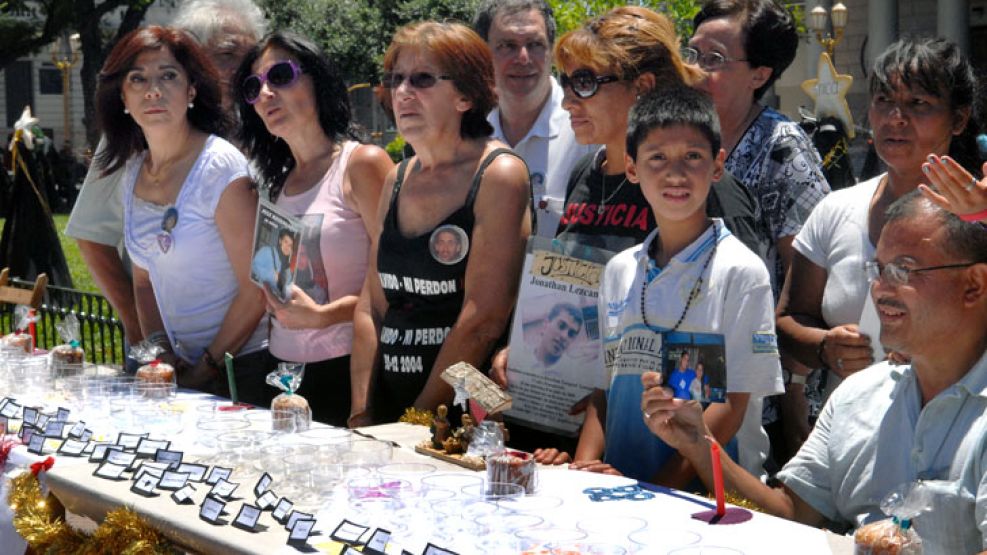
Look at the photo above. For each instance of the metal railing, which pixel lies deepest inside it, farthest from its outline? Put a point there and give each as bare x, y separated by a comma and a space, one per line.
102, 332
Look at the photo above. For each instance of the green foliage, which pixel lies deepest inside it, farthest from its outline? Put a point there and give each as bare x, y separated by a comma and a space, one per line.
570, 14
395, 149
356, 33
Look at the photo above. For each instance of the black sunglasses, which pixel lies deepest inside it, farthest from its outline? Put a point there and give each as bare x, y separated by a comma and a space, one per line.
584, 83
418, 80
281, 74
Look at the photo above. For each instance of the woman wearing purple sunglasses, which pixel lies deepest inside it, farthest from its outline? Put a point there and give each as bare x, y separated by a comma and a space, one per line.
313, 167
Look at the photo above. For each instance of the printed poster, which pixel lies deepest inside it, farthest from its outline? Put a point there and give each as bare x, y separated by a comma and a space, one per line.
277, 237
555, 349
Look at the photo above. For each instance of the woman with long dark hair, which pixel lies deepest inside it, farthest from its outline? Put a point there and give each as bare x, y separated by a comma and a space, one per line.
296, 126
188, 205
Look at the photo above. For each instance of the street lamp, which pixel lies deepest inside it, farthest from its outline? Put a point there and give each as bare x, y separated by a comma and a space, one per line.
65, 54
818, 23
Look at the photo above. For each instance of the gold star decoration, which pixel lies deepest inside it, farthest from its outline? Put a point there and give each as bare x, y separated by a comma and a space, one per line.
829, 90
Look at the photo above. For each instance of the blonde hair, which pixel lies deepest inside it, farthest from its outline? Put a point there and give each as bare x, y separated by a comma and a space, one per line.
627, 41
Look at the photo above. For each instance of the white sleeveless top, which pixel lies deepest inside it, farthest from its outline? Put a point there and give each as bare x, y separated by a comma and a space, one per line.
193, 279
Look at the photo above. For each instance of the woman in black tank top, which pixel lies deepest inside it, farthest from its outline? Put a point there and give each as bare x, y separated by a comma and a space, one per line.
444, 272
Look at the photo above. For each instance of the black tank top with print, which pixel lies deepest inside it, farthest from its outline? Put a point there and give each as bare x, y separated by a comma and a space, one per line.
423, 279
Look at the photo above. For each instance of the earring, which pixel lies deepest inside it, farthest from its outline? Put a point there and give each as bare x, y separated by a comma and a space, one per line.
191, 105
125, 110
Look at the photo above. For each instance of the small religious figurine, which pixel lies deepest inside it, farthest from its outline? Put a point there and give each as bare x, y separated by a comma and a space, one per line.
440, 427
466, 432
454, 445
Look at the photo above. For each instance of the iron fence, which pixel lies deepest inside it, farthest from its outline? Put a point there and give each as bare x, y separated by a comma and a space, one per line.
102, 332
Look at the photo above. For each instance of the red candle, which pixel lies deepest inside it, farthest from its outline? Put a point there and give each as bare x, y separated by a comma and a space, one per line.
33, 330
714, 453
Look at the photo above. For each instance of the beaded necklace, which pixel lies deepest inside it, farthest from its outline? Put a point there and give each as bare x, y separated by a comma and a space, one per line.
692, 294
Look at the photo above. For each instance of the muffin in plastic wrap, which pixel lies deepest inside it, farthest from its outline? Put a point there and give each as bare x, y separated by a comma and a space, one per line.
290, 412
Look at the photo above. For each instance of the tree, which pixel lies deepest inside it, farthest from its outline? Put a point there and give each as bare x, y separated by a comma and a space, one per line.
28, 26
355, 33
570, 14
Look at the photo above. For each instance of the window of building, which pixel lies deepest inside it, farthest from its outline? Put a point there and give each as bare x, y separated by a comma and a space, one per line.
49, 79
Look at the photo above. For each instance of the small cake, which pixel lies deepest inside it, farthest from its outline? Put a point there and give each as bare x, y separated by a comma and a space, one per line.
156, 372
67, 354
886, 538
19, 340
286, 405
513, 467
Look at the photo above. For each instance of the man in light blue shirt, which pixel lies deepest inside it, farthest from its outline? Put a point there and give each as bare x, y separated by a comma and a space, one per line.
889, 425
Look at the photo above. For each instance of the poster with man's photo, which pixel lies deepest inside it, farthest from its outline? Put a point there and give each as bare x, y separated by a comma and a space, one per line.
277, 236
555, 353
694, 366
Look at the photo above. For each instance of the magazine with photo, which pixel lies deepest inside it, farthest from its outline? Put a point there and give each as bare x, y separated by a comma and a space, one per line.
277, 237
555, 345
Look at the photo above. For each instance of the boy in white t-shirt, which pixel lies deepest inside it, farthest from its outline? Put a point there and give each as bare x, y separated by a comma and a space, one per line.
691, 282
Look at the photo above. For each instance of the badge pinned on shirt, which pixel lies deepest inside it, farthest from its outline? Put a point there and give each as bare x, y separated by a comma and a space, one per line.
449, 244
168, 223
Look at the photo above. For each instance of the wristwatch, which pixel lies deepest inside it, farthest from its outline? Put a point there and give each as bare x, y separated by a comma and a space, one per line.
790, 377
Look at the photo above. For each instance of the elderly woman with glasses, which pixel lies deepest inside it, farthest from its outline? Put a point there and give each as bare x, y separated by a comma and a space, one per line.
425, 307
314, 168
744, 46
922, 111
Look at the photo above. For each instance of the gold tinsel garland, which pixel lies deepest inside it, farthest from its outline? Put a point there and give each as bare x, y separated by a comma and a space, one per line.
122, 531
417, 416
735, 498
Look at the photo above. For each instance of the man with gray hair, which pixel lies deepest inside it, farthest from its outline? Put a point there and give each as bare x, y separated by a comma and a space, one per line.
227, 29
529, 114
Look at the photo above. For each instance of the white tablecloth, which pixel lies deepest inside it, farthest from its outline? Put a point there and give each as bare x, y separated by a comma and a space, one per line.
72, 482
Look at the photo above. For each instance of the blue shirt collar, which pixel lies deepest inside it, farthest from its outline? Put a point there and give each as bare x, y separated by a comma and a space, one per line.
973, 383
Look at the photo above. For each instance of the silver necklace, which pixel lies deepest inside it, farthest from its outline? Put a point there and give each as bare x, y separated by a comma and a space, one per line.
604, 199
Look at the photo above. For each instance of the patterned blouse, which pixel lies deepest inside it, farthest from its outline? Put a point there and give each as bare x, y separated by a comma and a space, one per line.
778, 162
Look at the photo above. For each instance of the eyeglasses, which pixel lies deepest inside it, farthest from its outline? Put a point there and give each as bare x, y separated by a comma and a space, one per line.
710, 61
584, 83
418, 80
895, 274
280, 75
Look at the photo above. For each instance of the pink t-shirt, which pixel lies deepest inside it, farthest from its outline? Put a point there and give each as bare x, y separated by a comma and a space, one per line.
332, 262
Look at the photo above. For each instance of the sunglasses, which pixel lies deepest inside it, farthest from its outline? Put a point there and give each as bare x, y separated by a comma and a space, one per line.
584, 83
418, 80
280, 75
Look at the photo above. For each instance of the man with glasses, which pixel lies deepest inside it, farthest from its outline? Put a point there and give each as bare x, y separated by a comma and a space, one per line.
529, 115
889, 425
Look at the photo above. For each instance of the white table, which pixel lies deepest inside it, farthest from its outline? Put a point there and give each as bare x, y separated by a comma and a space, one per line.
71, 481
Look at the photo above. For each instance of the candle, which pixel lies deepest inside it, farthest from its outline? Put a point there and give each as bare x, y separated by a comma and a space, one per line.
714, 453
33, 330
